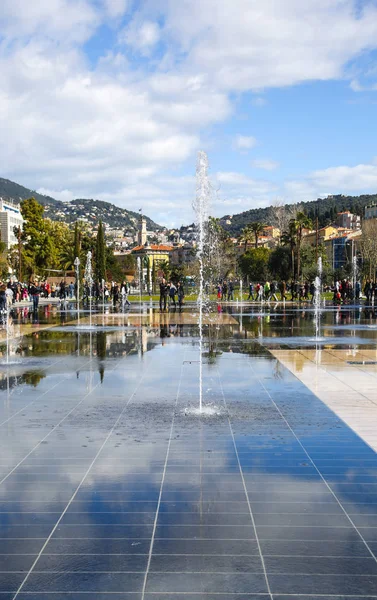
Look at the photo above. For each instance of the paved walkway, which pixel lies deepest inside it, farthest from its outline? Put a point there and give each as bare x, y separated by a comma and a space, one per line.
345, 380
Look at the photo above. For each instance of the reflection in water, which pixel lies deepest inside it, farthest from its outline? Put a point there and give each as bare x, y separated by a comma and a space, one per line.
277, 448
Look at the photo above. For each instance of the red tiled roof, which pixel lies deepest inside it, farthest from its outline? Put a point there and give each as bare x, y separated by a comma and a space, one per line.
156, 247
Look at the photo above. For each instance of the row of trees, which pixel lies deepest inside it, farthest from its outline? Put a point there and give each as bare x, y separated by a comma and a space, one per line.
291, 237
48, 247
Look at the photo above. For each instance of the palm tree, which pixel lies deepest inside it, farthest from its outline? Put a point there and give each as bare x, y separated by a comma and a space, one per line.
289, 238
302, 222
247, 236
257, 228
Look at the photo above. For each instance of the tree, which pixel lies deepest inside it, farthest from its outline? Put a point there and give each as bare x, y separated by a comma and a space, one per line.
257, 228
100, 256
309, 263
289, 238
77, 241
164, 266
302, 222
369, 246
247, 236
254, 264
38, 245
280, 263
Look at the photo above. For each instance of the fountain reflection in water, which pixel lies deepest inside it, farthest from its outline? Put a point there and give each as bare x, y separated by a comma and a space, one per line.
317, 299
89, 282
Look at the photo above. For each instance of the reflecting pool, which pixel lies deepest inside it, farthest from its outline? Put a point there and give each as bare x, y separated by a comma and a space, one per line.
111, 486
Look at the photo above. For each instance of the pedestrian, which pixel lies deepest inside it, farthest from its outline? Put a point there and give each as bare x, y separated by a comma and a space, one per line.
9, 295
53, 290
71, 288
34, 292
219, 291
181, 295
251, 290
172, 293
224, 290
368, 291
283, 290
124, 293
357, 290
267, 291
3, 298
231, 290
115, 290
273, 291
163, 294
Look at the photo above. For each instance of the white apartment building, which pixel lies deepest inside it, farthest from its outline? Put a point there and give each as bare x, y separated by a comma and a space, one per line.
10, 217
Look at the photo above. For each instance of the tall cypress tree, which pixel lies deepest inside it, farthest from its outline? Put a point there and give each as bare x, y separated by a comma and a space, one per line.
77, 240
100, 254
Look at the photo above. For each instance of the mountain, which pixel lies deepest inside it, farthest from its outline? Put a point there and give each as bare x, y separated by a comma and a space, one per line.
325, 209
82, 208
13, 191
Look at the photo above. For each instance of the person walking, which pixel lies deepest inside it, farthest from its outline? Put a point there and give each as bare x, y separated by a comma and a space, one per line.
172, 293
163, 294
124, 293
267, 290
224, 290
251, 290
34, 292
3, 298
231, 290
283, 290
273, 291
181, 295
115, 290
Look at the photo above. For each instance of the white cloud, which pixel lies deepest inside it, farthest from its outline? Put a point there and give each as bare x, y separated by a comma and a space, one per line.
243, 142
121, 131
252, 44
265, 164
115, 8
141, 36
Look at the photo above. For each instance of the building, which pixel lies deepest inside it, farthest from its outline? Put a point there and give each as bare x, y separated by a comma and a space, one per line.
341, 248
142, 234
371, 212
348, 220
182, 254
10, 217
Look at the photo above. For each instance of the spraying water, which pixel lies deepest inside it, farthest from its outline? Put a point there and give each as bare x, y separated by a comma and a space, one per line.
354, 276
201, 205
140, 278
317, 298
89, 282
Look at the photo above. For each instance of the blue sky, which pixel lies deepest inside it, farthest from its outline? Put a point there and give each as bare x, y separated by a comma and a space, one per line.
112, 99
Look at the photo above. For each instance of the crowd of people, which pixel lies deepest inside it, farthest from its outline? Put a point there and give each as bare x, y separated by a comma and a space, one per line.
172, 294
168, 293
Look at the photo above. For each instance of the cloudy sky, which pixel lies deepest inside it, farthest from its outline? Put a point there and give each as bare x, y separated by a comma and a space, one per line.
112, 99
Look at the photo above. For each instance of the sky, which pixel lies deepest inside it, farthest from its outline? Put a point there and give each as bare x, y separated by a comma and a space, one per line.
112, 99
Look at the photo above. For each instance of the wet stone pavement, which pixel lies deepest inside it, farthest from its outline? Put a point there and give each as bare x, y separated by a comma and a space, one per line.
111, 488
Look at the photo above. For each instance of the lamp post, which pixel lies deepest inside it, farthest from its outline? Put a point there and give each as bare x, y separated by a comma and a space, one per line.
77, 269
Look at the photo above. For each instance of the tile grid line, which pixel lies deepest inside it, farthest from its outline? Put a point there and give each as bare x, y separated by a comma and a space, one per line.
162, 485
317, 469
81, 482
38, 397
245, 488
56, 426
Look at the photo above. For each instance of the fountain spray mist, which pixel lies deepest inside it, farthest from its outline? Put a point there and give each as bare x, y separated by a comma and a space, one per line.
89, 281
201, 206
317, 298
